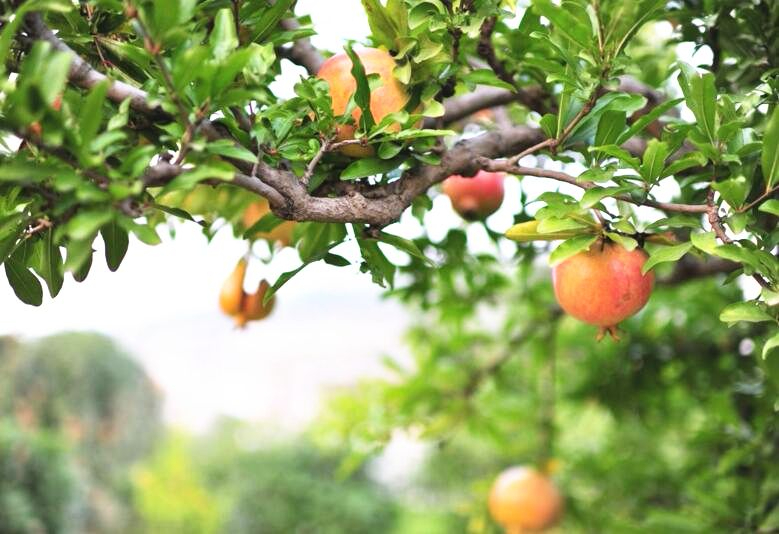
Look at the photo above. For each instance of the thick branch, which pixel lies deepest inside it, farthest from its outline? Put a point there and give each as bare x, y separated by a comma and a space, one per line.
382, 205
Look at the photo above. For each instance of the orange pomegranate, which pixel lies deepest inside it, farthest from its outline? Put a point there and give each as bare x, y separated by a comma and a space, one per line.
523, 498
388, 98
282, 234
231, 296
475, 198
252, 308
604, 285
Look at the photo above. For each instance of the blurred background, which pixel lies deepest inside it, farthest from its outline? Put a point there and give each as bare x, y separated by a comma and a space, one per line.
130, 404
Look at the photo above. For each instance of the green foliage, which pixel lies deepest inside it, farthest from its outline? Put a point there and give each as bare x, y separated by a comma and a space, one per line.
94, 412
169, 495
37, 482
691, 179
671, 429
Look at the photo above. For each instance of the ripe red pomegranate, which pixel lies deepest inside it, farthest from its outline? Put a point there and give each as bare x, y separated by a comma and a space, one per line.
475, 198
603, 285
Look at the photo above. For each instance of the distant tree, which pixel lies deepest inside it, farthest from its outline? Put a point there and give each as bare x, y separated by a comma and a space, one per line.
83, 388
291, 486
37, 484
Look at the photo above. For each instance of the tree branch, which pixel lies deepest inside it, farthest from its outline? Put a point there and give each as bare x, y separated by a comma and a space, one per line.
505, 166
85, 76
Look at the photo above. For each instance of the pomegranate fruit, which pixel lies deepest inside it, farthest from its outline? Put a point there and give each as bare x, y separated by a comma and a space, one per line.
523, 498
388, 98
604, 285
282, 234
252, 308
475, 198
231, 294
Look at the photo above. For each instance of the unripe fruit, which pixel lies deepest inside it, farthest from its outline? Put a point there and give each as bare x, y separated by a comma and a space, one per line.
522, 499
282, 234
388, 98
475, 198
252, 308
603, 285
231, 296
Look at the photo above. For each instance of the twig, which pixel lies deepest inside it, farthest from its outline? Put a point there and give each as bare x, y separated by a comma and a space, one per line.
719, 230
487, 51
41, 224
503, 166
323, 148
712, 212
759, 199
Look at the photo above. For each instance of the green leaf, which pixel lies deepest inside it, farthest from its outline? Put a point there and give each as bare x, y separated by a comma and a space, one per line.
92, 113
665, 254
287, 276
595, 194
704, 241
486, 77
770, 155
611, 124
380, 21
79, 256
318, 238
701, 95
750, 312
654, 160
528, 231
336, 260
620, 153
25, 285
116, 242
216, 170
770, 206
49, 265
625, 241
565, 23
554, 225
646, 120
570, 247
770, 345
370, 166
223, 39
270, 19
87, 222
406, 245
733, 190
229, 149
694, 159
362, 95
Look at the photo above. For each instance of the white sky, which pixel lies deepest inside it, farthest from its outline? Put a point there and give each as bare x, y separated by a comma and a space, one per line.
329, 328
